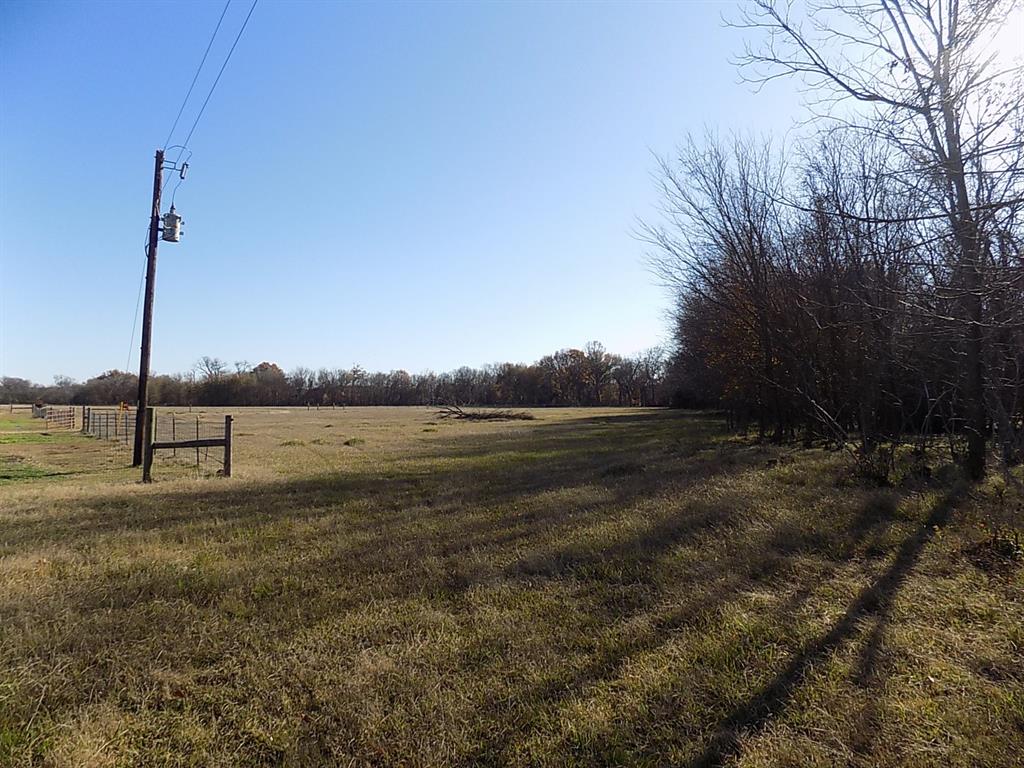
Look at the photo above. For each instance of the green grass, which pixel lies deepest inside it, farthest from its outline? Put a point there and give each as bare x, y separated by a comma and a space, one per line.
20, 420
27, 438
589, 588
24, 438
15, 468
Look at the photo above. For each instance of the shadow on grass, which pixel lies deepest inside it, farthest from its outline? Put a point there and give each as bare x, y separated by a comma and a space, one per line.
764, 559
552, 480
529, 506
875, 602
543, 458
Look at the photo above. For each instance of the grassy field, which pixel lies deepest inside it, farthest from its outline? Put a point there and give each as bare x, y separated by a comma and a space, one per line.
593, 587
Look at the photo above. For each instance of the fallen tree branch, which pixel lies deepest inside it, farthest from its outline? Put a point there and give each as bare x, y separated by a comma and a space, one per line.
455, 412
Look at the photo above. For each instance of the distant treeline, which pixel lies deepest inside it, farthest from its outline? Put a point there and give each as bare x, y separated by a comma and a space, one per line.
570, 377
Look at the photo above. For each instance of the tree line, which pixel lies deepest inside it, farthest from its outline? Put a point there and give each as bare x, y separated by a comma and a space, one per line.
591, 376
866, 284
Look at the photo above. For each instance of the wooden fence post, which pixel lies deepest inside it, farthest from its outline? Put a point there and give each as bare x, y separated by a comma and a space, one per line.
227, 446
147, 453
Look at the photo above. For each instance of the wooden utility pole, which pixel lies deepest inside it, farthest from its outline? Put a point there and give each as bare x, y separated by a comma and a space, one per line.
148, 419
147, 311
227, 446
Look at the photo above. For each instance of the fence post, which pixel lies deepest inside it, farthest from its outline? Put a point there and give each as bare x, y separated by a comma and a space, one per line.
227, 446
147, 442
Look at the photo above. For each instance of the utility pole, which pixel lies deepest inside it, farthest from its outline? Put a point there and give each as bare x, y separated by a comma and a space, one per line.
147, 311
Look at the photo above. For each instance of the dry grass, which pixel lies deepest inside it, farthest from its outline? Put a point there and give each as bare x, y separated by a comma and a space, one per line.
592, 587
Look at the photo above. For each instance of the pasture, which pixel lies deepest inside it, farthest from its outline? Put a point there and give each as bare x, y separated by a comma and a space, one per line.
376, 586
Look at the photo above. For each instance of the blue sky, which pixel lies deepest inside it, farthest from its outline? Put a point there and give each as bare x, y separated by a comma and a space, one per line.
415, 186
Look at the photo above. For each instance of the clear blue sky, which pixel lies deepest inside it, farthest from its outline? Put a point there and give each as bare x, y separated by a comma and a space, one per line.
415, 186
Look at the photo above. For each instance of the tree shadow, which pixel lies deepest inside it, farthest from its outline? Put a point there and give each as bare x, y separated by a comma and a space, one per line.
874, 601
542, 458
510, 511
766, 559
496, 506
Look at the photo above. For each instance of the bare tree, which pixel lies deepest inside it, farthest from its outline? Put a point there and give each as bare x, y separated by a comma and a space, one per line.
938, 96
211, 368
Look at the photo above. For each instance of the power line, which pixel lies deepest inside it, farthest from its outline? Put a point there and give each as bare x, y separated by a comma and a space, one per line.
153, 239
138, 301
217, 80
209, 45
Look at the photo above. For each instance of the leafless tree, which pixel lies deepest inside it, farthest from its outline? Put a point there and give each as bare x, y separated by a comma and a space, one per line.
211, 368
932, 89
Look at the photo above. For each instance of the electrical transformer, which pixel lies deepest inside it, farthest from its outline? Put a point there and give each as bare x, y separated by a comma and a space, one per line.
172, 226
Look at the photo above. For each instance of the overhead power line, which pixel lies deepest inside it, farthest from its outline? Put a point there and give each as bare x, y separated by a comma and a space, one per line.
199, 69
171, 229
217, 80
138, 303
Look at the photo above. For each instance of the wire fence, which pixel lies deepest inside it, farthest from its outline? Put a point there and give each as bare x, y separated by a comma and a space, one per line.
178, 427
116, 426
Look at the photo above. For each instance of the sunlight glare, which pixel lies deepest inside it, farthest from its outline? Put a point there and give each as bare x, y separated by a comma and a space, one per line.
1007, 44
